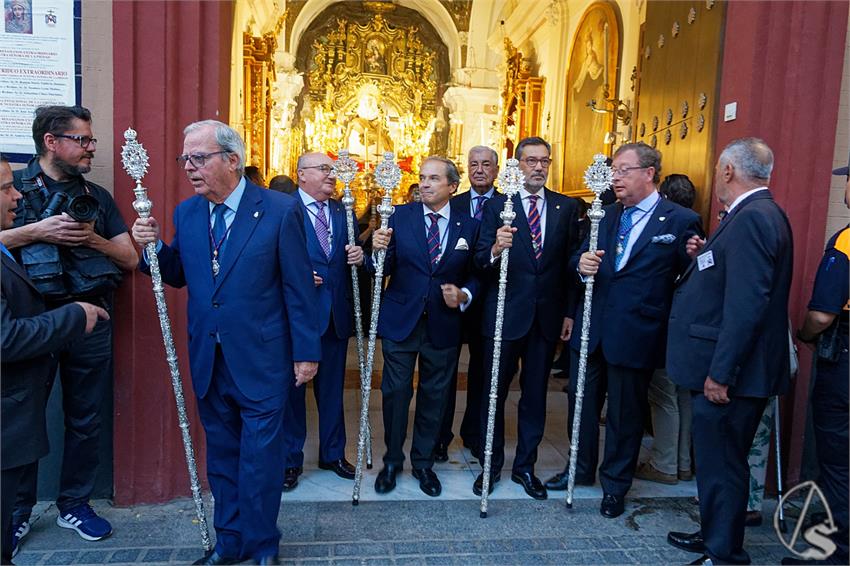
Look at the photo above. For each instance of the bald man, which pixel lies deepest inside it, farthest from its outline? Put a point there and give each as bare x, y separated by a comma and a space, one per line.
330, 255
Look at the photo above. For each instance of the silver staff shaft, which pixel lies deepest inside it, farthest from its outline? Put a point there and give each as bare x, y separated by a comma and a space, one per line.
511, 180
387, 175
494, 376
598, 178
135, 161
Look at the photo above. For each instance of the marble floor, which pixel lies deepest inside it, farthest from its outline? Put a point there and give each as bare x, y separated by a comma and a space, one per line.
458, 474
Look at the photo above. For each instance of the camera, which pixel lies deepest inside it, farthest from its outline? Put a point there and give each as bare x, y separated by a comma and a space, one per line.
82, 208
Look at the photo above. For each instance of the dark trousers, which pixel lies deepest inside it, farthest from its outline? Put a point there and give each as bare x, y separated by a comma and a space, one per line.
595, 387
536, 354
245, 461
436, 367
830, 415
11, 479
723, 435
469, 428
85, 369
627, 389
328, 389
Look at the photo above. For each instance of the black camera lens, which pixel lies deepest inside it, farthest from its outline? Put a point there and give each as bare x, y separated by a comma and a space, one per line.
83, 208
55, 205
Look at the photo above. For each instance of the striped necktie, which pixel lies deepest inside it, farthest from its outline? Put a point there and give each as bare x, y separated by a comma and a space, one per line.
434, 239
479, 207
534, 226
322, 229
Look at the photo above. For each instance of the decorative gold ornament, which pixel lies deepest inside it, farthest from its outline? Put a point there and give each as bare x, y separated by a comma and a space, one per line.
653, 141
660, 41
668, 116
700, 122
654, 123
667, 137
702, 100
685, 109
683, 130
692, 15
675, 31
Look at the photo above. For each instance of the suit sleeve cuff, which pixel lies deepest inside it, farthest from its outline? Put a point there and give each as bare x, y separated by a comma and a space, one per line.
465, 305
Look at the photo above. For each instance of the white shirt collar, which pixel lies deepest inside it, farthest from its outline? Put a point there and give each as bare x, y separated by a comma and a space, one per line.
474, 195
524, 194
738, 200
647, 203
443, 212
306, 198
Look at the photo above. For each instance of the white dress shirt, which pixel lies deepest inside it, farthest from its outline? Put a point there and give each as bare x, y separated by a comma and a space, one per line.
640, 218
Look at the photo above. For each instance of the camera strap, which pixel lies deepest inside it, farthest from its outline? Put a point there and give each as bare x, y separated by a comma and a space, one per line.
39, 180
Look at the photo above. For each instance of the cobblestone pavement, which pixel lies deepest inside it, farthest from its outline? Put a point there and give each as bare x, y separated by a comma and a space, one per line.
435, 532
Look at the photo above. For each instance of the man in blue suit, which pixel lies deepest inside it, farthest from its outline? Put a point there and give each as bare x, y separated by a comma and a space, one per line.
483, 168
536, 307
241, 251
330, 255
642, 250
429, 249
728, 343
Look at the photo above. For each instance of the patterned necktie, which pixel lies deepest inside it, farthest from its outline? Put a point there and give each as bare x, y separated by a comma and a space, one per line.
322, 229
534, 226
434, 239
623, 233
479, 207
219, 230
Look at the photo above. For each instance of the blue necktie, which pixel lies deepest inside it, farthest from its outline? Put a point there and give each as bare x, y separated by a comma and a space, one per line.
219, 230
479, 207
434, 239
623, 233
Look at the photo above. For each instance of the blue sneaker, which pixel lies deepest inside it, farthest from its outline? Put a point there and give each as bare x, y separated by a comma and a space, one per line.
85, 521
19, 531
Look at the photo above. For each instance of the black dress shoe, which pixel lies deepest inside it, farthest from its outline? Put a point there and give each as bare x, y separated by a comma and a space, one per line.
612, 506
385, 482
429, 483
273, 559
531, 484
441, 452
690, 542
213, 557
558, 482
290, 478
341, 467
478, 486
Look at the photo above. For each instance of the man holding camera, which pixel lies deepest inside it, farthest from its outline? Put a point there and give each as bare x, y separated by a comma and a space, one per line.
71, 239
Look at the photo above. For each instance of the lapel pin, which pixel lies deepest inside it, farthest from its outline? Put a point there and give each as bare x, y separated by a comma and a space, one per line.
558, 207
662, 218
256, 214
458, 223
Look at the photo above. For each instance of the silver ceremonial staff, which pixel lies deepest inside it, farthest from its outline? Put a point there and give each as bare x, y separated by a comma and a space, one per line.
135, 160
387, 175
598, 178
346, 169
511, 180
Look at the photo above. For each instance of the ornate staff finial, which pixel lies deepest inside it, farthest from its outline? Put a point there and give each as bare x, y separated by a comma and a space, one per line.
598, 176
134, 156
388, 173
511, 179
345, 167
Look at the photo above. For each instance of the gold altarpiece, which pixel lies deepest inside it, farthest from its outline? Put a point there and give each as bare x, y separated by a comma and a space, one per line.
373, 84
259, 76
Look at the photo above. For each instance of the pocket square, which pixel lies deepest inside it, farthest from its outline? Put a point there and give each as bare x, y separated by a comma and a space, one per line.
663, 239
461, 244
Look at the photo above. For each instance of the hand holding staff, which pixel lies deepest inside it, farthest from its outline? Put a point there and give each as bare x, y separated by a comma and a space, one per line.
387, 175
598, 179
511, 180
135, 160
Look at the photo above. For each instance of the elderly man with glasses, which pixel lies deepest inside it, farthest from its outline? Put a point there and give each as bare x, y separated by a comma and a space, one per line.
253, 330
642, 250
536, 310
71, 256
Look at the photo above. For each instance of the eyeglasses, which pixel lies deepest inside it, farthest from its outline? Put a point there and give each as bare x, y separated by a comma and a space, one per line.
533, 161
623, 171
325, 169
197, 160
84, 141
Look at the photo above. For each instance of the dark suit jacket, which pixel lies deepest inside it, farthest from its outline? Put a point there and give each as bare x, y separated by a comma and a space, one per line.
536, 291
29, 335
414, 288
631, 306
335, 291
730, 321
261, 305
460, 203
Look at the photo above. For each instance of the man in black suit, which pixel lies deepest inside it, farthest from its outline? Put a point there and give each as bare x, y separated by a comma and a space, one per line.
30, 336
536, 306
728, 343
483, 168
641, 252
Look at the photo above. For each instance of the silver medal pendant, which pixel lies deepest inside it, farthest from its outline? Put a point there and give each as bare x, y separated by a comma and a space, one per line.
215, 267
620, 249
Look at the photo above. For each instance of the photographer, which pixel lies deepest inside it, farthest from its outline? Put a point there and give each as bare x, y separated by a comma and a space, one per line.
71, 253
